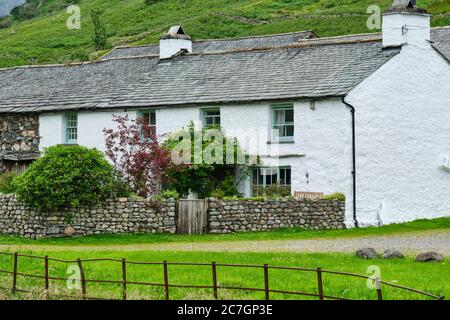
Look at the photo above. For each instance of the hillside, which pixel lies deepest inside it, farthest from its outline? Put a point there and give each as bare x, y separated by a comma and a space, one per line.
46, 39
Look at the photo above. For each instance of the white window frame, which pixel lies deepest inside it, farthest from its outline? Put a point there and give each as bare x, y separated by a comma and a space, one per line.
204, 114
264, 184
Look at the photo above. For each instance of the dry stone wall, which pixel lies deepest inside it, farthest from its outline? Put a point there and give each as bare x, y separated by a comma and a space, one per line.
112, 216
251, 215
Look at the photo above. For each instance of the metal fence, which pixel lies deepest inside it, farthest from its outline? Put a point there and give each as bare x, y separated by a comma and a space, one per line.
166, 285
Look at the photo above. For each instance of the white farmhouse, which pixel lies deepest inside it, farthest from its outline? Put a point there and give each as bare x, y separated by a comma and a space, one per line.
367, 115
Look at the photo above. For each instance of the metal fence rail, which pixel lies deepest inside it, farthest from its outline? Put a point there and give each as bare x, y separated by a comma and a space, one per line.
166, 285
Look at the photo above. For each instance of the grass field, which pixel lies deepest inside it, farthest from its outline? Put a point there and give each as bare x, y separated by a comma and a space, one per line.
46, 39
419, 225
430, 277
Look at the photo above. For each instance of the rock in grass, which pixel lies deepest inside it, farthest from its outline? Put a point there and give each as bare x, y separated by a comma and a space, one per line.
392, 254
429, 256
367, 253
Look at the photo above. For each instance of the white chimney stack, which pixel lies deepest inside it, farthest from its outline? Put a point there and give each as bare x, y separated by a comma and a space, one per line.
173, 42
405, 23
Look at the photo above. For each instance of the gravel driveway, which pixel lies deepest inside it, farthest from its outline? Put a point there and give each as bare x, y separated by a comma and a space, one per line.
409, 243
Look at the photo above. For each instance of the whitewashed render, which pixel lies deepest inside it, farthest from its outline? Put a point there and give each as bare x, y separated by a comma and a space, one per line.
402, 109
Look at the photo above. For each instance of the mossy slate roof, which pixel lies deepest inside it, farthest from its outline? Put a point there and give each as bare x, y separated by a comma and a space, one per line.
306, 69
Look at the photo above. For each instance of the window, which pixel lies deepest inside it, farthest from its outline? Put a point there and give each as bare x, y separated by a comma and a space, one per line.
211, 118
71, 128
149, 120
283, 122
267, 180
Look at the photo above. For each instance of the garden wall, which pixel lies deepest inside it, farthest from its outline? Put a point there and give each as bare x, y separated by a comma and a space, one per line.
144, 216
251, 215
112, 216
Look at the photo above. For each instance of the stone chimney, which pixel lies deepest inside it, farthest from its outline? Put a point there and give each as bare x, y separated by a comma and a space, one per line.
175, 41
405, 23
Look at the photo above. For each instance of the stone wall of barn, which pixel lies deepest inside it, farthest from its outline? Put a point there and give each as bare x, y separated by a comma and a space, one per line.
109, 217
251, 215
19, 140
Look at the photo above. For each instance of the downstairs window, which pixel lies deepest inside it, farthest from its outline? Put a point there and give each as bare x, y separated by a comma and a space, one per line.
271, 181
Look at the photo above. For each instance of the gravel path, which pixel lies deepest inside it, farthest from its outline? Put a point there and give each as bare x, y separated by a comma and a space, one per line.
409, 243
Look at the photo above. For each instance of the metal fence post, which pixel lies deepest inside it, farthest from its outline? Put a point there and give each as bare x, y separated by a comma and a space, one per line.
320, 283
14, 284
266, 282
124, 279
166, 281
46, 283
214, 277
378, 286
83, 279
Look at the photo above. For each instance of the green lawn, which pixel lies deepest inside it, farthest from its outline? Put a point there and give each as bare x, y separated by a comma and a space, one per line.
429, 277
46, 39
295, 233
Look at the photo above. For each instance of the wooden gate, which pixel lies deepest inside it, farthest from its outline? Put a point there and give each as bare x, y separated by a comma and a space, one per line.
192, 216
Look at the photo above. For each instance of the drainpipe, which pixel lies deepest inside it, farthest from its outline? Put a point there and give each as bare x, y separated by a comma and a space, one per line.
352, 110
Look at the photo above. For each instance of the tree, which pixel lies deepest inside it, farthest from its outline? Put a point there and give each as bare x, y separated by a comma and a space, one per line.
136, 154
100, 36
206, 162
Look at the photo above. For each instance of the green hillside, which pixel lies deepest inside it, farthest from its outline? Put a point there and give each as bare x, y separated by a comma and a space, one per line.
42, 36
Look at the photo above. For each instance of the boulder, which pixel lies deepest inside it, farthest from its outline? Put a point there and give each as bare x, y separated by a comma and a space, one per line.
429, 256
52, 231
69, 231
367, 253
392, 254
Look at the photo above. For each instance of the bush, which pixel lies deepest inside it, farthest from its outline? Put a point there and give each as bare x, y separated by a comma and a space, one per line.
335, 196
170, 194
227, 188
5, 182
66, 177
5, 22
100, 37
206, 178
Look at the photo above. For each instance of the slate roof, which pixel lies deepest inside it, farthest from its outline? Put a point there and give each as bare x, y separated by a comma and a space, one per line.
441, 41
209, 46
297, 71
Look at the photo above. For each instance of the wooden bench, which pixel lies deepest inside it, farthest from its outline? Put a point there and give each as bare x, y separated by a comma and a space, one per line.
307, 195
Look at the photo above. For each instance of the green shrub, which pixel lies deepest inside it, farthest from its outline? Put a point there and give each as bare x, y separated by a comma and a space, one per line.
5, 182
273, 191
100, 36
226, 188
66, 177
335, 196
5, 22
167, 194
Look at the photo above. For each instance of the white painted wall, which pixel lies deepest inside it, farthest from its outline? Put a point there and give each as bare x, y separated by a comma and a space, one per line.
173, 119
406, 28
322, 144
403, 134
50, 129
91, 125
170, 47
